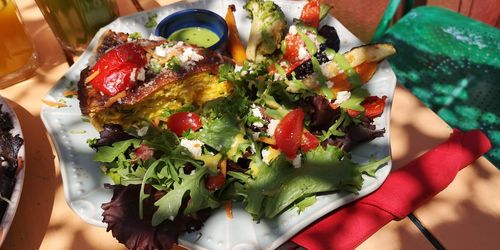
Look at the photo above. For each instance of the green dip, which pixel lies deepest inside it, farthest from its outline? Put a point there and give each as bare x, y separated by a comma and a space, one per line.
201, 37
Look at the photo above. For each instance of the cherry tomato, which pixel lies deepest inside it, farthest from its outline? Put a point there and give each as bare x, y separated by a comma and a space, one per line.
374, 106
115, 67
214, 182
293, 44
309, 141
143, 152
184, 121
310, 13
288, 133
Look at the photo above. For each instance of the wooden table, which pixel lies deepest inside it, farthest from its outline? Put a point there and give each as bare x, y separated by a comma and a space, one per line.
464, 216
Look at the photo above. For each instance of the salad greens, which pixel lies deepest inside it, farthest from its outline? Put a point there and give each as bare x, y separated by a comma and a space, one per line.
281, 138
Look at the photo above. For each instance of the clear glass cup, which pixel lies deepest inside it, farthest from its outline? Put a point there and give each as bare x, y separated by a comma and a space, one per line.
75, 22
17, 55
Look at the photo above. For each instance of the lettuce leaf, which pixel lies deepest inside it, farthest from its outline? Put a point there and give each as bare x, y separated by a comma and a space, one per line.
192, 186
277, 187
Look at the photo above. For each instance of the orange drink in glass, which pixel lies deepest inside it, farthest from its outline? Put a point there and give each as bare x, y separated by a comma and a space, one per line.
17, 56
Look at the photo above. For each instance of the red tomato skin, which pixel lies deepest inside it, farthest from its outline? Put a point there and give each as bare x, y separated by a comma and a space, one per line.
143, 152
288, 133
184, 121
310, 13
214, 182
374, 107
115, 68
309, 141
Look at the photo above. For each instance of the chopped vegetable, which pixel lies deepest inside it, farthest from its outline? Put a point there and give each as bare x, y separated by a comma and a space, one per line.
236, 47
268, 25
311, 13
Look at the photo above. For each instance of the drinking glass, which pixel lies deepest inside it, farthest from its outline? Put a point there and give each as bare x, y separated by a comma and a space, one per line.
17, 56
75, 22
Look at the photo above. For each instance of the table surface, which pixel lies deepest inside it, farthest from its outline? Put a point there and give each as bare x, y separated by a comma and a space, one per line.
466, 215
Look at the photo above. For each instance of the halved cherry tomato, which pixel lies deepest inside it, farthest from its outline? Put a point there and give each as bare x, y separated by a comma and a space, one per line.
288, 133
114, 68
374, 106
214, 182
309, 141
310, 13
293, 44
143, 152
184, 121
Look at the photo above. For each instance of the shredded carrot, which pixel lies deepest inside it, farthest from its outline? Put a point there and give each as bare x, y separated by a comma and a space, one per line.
69, 93
152, 53
235, 45
54, 104
223, 167
229, 208
114, 99
267, 140
91, 76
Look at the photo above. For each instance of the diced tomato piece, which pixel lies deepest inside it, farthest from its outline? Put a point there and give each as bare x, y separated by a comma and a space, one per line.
183, 121
293, 44
310, 13
112, 71
309, 141
288, 133
374, 107
214, 182
143, 152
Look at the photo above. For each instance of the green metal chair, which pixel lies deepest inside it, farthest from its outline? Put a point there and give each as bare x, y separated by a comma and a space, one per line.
451, 63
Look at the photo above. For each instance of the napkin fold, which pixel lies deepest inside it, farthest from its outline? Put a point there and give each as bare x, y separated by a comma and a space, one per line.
403, 191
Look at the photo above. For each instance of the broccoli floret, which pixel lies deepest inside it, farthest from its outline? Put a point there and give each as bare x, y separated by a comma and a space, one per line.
268, 25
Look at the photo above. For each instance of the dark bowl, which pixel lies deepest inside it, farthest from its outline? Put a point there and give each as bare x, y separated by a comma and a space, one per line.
194, 18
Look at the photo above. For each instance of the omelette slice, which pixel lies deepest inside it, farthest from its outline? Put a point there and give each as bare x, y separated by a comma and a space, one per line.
133, 82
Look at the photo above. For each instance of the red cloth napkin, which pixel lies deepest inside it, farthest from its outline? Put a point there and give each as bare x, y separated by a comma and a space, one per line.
403, 191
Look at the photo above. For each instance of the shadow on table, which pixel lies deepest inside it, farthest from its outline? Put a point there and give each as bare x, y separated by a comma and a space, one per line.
35, 206
465, 216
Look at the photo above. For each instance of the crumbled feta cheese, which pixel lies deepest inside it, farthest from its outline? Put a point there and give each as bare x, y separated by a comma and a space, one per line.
278, 77
156, 38
194, 146
302, 53
292, 30
141, 75
329, 56
142, 131
133, 74
266, 153
189, 57
252, 148
271, 127
258, 124
329, 84
256, 111
161, 51
237, 68
342, 96
325, 70
297, 162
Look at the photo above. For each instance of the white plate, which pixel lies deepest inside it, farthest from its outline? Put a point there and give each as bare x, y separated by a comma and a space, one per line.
83, 180
18, 186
